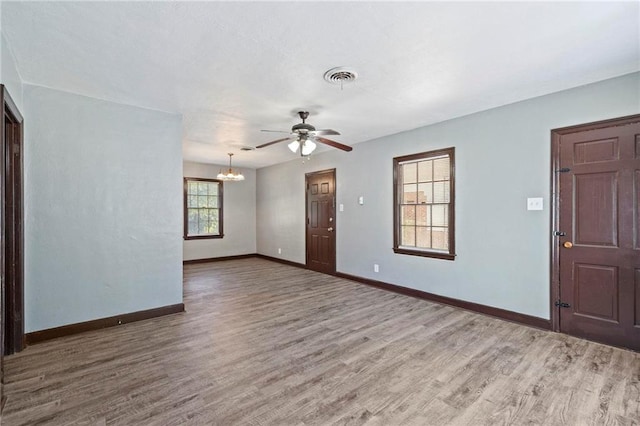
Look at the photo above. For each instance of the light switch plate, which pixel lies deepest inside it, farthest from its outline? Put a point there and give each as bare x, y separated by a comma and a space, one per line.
534, 203
341, 207
361, 200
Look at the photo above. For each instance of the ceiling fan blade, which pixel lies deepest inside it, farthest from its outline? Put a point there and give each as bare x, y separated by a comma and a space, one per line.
324, 132
272, 142
276, 131
333, 143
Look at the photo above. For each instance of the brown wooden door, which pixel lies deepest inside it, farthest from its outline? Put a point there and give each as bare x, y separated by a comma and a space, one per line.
11, 234
14, 336
321, 223
11, 229
599, 255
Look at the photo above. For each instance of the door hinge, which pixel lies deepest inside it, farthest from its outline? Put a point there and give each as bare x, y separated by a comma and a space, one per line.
562, 304
559, 234
563, 170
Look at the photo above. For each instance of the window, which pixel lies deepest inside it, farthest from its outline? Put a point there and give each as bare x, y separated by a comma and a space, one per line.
423, 192
202, 208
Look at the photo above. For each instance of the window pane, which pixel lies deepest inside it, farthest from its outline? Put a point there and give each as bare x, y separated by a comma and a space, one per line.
422, 215
203, 218
423, 237
213, 188
441, 192
408, 236
441, 169
409, 173
202, 201
193, 222
408, 215
409, 194
192, 201
210, 227
425, 171
212, 201
202, 227
192, 188
425, 193
440, 215
440, 239
213, 222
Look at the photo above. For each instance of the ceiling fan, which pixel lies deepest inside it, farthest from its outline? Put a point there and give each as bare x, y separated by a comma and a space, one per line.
303, 136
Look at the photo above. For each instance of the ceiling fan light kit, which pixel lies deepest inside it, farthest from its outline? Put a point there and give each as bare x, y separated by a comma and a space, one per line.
304, 137
293, 146
230, 176
307, 148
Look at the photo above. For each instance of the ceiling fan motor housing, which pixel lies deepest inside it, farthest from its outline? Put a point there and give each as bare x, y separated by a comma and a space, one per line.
303, 128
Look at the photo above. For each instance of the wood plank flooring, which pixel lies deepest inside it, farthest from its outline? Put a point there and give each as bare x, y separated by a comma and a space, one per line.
268, 344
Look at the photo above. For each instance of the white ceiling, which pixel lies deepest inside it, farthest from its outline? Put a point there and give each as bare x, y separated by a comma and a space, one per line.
233, 68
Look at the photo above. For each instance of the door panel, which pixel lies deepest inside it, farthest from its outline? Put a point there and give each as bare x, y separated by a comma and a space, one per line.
598, 257
596, 291
320, 234
595, 151
595, 203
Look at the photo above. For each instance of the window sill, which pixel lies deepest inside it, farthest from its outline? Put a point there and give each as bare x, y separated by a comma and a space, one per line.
202, 237
433, 254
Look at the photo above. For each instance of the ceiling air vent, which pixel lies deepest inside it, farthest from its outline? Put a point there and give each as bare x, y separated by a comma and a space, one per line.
340, 75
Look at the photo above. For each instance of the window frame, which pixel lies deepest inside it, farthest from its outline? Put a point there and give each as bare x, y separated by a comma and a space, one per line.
437, 254
185, 190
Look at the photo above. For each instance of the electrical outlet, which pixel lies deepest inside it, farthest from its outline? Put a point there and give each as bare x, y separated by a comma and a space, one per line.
376, 267
279, 251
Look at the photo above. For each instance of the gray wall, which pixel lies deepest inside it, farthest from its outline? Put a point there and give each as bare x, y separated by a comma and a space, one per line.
9, 75
502, 157
239, 219
103, 211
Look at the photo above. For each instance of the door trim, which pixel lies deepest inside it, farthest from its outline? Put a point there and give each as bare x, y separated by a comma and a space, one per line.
556, 134
14, 323
306, 215
9, 109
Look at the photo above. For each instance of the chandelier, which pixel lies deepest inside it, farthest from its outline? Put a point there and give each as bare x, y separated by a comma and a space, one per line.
230, 175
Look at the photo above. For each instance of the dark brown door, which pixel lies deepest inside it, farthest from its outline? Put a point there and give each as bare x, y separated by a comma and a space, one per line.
598, 179
11, 233
13, 236
321, 223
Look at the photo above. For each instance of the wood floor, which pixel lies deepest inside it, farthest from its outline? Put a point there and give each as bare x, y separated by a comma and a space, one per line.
268, 344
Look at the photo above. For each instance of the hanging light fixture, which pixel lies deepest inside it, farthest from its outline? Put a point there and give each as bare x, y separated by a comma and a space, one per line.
230, 175
305, 145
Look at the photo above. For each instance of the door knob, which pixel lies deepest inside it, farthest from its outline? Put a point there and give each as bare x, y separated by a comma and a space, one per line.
329, 229
567, 245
